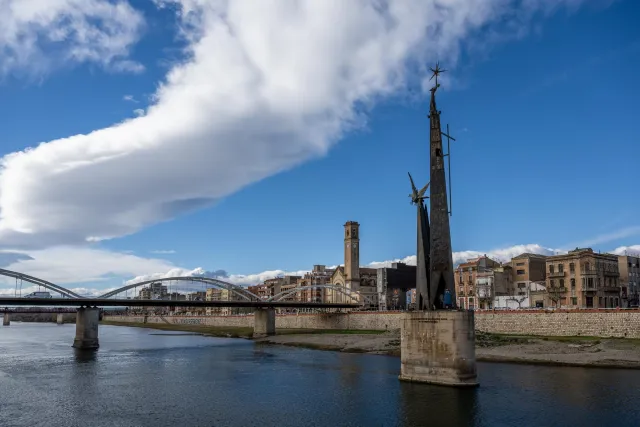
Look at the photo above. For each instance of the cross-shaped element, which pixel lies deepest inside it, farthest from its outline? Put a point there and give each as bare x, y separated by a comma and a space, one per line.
436, 72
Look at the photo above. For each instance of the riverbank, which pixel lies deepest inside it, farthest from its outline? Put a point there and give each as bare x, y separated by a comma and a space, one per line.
559, 351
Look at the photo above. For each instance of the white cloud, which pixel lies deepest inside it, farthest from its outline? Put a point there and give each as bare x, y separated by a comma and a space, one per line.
267, 85
500, 254
38, 35
627, 250
129, 98
163, 251
609, 237
64, 265
138, 112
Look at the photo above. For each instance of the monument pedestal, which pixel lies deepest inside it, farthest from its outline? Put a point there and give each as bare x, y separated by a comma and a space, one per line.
438, 347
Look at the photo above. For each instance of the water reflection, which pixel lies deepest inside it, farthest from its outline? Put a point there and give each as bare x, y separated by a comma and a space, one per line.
84, 356
432, 405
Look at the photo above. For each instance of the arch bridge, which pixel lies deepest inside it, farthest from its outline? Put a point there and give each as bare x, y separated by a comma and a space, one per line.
39, 282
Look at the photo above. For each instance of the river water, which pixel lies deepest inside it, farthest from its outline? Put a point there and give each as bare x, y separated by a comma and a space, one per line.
144, 377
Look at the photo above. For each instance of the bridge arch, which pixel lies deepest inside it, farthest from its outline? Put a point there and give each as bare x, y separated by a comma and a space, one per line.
237, 290
341, 289
40, 282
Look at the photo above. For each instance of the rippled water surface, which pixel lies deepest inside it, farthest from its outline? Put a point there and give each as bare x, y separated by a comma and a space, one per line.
142, 377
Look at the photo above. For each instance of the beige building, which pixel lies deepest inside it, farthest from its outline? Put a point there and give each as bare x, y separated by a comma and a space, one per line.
629, 267
583, 279
278, 285
320, 275
466, 278
527, 268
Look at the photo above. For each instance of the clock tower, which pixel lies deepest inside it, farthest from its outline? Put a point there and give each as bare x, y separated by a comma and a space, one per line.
352, 255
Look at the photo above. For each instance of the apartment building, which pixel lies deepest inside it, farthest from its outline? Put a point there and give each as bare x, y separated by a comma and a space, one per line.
583, 279
527, 268
466, 276
491, 284
320, 275
629, 267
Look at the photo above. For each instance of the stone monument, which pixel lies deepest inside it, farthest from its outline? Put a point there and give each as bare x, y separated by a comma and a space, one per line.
437, 343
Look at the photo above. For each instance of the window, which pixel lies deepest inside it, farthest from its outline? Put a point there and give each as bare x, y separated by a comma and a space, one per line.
551, 269
522, 285
551, 283
574, 301
520, 272
560, 268
562, 283
520, 264
586, 266
572, 267
573, 283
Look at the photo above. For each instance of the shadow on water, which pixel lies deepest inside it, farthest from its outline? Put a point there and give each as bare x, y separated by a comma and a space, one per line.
423, 404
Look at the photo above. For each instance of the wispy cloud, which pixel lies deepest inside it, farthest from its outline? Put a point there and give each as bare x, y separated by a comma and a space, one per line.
129, 98
163, 251
609, 237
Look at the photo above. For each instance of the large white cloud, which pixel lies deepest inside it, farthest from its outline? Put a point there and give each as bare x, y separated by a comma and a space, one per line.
267, 85
38, 35
65, 265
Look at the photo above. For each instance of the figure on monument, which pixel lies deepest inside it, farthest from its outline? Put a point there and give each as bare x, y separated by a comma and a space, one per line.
422, 251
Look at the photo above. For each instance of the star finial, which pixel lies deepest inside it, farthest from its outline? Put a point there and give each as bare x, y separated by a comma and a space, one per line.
436, 72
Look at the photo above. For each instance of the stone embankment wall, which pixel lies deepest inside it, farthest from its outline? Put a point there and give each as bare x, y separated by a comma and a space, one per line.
592, 323
361, 321
42, 317
597, 323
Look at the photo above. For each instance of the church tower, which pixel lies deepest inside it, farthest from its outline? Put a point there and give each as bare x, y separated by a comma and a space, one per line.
352, 255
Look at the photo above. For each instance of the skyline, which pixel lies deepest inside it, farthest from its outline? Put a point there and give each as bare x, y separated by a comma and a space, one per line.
238, 143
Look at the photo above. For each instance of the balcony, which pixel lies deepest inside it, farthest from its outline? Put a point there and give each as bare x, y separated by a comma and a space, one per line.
611, 273
589, 272
610, 289
556, 274
557, 290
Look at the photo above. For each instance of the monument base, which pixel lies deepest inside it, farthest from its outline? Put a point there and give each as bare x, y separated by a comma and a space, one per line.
438, 347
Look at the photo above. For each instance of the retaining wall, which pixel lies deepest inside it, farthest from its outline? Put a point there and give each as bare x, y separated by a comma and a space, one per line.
597, 323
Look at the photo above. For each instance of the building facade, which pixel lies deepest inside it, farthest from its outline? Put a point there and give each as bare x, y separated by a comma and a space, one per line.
466, 276
629, 267
393, 285
583, 279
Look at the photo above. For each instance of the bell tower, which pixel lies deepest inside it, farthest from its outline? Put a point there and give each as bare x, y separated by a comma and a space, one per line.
352, 255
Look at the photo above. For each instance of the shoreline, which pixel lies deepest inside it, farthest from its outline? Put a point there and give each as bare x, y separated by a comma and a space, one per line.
585, 352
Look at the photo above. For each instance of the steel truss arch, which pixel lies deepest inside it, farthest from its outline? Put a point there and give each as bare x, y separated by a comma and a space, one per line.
40, 282
238, 290
341, 289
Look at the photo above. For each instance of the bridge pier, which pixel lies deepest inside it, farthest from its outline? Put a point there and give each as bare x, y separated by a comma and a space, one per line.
438, 347
87, 321
264, 322
60, 319
6, 319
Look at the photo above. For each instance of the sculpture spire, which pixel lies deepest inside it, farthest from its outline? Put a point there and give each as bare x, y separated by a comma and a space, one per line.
422, 250
440, 257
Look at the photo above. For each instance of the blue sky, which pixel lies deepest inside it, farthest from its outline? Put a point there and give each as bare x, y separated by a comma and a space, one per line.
542, 103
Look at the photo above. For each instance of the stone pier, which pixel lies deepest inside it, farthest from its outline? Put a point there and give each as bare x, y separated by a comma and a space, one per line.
60, 319
438, 347
265, 322
87, 321
6, 319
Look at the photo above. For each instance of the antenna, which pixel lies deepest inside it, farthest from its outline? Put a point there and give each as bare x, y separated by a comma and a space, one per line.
448, 156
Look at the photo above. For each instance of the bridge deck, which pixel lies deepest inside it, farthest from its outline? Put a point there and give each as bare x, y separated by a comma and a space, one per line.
110, 302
